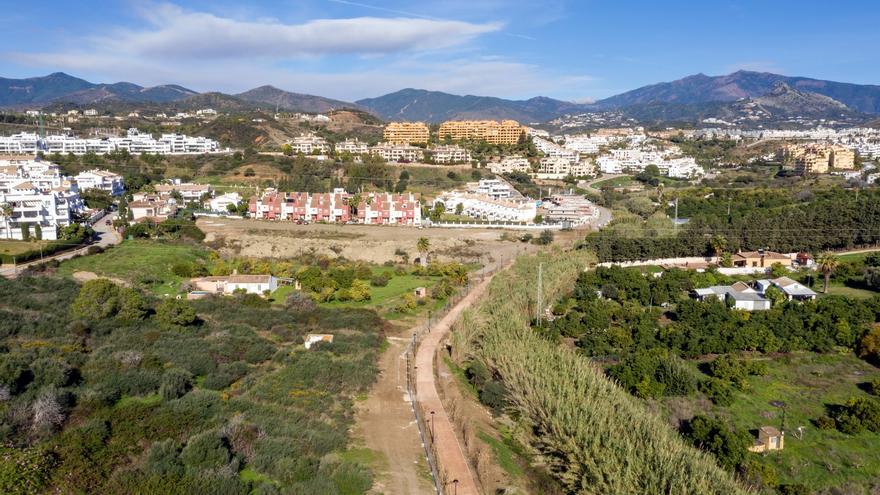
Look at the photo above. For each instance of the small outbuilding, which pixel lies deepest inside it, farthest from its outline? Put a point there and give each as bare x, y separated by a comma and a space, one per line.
313, 338
769, 438
421, 292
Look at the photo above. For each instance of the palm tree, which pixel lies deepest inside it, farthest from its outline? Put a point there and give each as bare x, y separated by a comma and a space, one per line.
827, 263
423, 245
6, 210
719, 243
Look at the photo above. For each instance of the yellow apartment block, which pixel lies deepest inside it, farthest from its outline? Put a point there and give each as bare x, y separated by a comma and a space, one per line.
815, 158
504, 132
843, 158
406, 132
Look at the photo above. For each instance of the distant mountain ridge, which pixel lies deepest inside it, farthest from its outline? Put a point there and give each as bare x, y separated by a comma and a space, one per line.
286, 100
60, 86
701, 88
743, 96
436, 106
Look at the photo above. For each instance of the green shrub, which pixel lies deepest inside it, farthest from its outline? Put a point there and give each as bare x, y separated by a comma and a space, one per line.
824, 423
718, 391
25, 471
175, 384
727, 445
796, 489
97, 299
379, 281
164, 458
176, 312
205, 451
225, 375
857, 415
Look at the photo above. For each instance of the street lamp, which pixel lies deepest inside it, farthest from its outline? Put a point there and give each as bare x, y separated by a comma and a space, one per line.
455, 486
432, 426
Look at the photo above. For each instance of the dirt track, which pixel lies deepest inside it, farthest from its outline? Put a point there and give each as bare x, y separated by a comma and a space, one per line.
386, 426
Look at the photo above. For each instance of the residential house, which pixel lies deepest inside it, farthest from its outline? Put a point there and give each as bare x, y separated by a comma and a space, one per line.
793, 290
191, 193
760, 258
738, 296
229, 284
220, 204
150, 207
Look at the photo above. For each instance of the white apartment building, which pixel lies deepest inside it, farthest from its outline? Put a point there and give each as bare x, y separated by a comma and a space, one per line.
569, 208
220, 204
483, 207
510, 164
558, 168
24, 143
450, 153
101, 179
134, 142
493, 188
151, 207
353, 146
32, 207
681, 168
44, 176
398, 152
308, 144
583, 143
188, 191
551, 149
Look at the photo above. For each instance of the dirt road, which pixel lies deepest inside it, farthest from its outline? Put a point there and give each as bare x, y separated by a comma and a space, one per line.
386, 426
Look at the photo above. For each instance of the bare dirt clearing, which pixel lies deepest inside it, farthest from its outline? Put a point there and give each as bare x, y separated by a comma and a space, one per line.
372, 243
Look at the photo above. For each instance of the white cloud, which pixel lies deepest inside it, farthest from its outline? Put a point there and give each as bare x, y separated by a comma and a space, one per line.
347, 59
173, 32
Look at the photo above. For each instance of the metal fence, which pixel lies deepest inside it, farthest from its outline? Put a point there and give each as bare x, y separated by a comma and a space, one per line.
425, 431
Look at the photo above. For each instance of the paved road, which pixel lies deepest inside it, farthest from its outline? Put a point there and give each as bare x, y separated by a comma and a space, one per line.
106, 235
451, 458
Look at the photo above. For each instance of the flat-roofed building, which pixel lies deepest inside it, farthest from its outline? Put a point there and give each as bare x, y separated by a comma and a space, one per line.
391, 152
406, 133
493, 132
510, 164
450, 153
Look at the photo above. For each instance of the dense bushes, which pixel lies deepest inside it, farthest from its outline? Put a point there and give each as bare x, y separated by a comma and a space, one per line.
626, 318
728, 446
831, 219
158, 409
857, 415
654, 373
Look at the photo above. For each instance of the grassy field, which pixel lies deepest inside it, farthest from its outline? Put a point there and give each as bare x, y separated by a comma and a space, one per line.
12, 248
143, 263
613, 182
854, 292
853, 257
806, 383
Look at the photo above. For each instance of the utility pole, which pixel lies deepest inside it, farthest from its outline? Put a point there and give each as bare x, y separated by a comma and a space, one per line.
540, 294
675, 223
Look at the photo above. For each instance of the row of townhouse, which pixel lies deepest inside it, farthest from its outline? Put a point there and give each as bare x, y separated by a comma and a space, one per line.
336, 207
189, 192
104, 180
484, 207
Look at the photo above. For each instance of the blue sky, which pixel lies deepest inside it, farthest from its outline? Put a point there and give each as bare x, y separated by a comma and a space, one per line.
576, 50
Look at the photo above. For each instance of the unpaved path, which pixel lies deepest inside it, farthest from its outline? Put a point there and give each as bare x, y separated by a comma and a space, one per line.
386, 426
451, 458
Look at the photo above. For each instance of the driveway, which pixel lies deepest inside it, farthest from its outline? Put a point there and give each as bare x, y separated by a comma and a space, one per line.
105, 234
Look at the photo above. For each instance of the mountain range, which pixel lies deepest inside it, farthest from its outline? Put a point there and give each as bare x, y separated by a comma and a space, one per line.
745, 95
